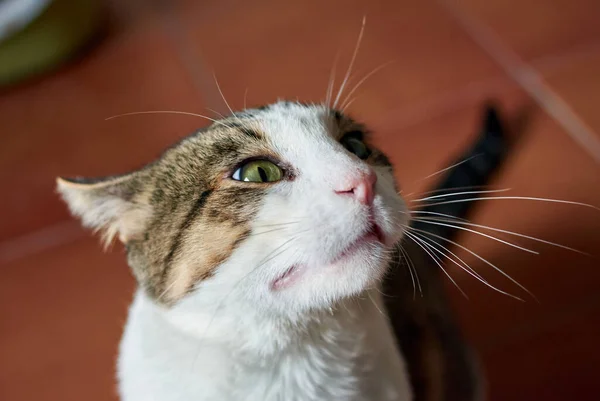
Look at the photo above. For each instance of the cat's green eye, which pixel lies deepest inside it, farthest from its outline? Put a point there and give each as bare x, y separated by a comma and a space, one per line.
258, 171
356, 146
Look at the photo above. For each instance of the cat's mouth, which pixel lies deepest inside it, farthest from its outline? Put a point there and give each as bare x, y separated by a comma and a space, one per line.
373, 235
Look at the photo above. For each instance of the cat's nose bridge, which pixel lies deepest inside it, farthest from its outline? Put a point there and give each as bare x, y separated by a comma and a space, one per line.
341, 172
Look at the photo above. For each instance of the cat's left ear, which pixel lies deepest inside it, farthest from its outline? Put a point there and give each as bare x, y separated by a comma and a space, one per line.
113, 206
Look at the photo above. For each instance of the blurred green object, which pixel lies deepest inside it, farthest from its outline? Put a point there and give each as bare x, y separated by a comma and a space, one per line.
61, 29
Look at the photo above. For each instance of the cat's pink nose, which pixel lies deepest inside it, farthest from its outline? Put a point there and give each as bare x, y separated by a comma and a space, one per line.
360, 186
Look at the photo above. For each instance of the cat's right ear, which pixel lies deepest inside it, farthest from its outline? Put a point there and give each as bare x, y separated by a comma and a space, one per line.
113, 206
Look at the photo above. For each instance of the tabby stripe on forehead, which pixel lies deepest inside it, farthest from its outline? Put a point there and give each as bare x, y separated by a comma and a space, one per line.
185, 225
246, 131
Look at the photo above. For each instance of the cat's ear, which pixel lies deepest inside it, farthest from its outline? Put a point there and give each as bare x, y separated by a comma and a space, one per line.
113, 206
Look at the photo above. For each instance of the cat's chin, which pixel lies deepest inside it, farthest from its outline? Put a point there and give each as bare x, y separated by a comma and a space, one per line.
340, 264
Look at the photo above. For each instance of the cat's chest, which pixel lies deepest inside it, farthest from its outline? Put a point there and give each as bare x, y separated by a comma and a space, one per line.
307, 374
311, 375
350, 372
344, 362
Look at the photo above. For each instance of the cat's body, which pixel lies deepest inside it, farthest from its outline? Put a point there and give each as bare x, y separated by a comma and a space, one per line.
260, 245
347, 355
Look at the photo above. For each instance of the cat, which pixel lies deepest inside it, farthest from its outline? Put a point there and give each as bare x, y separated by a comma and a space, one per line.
263, 246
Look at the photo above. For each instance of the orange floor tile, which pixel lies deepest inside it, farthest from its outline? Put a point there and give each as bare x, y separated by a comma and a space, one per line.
537, 28
579, 86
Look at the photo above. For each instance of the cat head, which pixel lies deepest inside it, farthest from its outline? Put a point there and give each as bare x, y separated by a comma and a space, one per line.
288, 207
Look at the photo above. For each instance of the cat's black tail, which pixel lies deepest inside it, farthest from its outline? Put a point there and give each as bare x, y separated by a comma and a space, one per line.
471, 172
424, 324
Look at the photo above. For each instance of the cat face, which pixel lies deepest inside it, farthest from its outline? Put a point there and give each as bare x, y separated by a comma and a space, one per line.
287, 207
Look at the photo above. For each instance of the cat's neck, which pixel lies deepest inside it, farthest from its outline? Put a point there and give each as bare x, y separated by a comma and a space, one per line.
242, 327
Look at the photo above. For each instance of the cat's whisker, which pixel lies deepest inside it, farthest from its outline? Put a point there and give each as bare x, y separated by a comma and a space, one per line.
345, 103
418, 241
277, 224
359, 304
471, 187
490, 191
375, 304
245, 98
414, 277
487, 262
413, 273
516, 234
450, 167
465, 266
349, 103
457, 219
437, 251
476, 232
273, 254
331, 83
549, 200
167, 289
185, 113
383, 294
255, 234
352, 60
343, 304
216, 112
471, 271
225, 101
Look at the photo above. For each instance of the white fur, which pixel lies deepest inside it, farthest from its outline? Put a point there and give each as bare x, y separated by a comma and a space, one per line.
348, 355
323, 337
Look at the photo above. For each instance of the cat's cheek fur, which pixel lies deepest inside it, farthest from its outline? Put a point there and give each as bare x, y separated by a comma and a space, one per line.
201, 261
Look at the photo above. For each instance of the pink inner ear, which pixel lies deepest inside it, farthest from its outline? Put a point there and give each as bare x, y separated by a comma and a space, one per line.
106, 206
132, 223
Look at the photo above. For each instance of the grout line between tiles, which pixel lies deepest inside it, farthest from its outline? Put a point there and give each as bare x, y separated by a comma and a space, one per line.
527, 77
40, 240
555, 62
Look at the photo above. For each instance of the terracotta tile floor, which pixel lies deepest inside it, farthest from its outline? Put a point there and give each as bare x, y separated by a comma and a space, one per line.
60, 128
536, 28
63, 302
